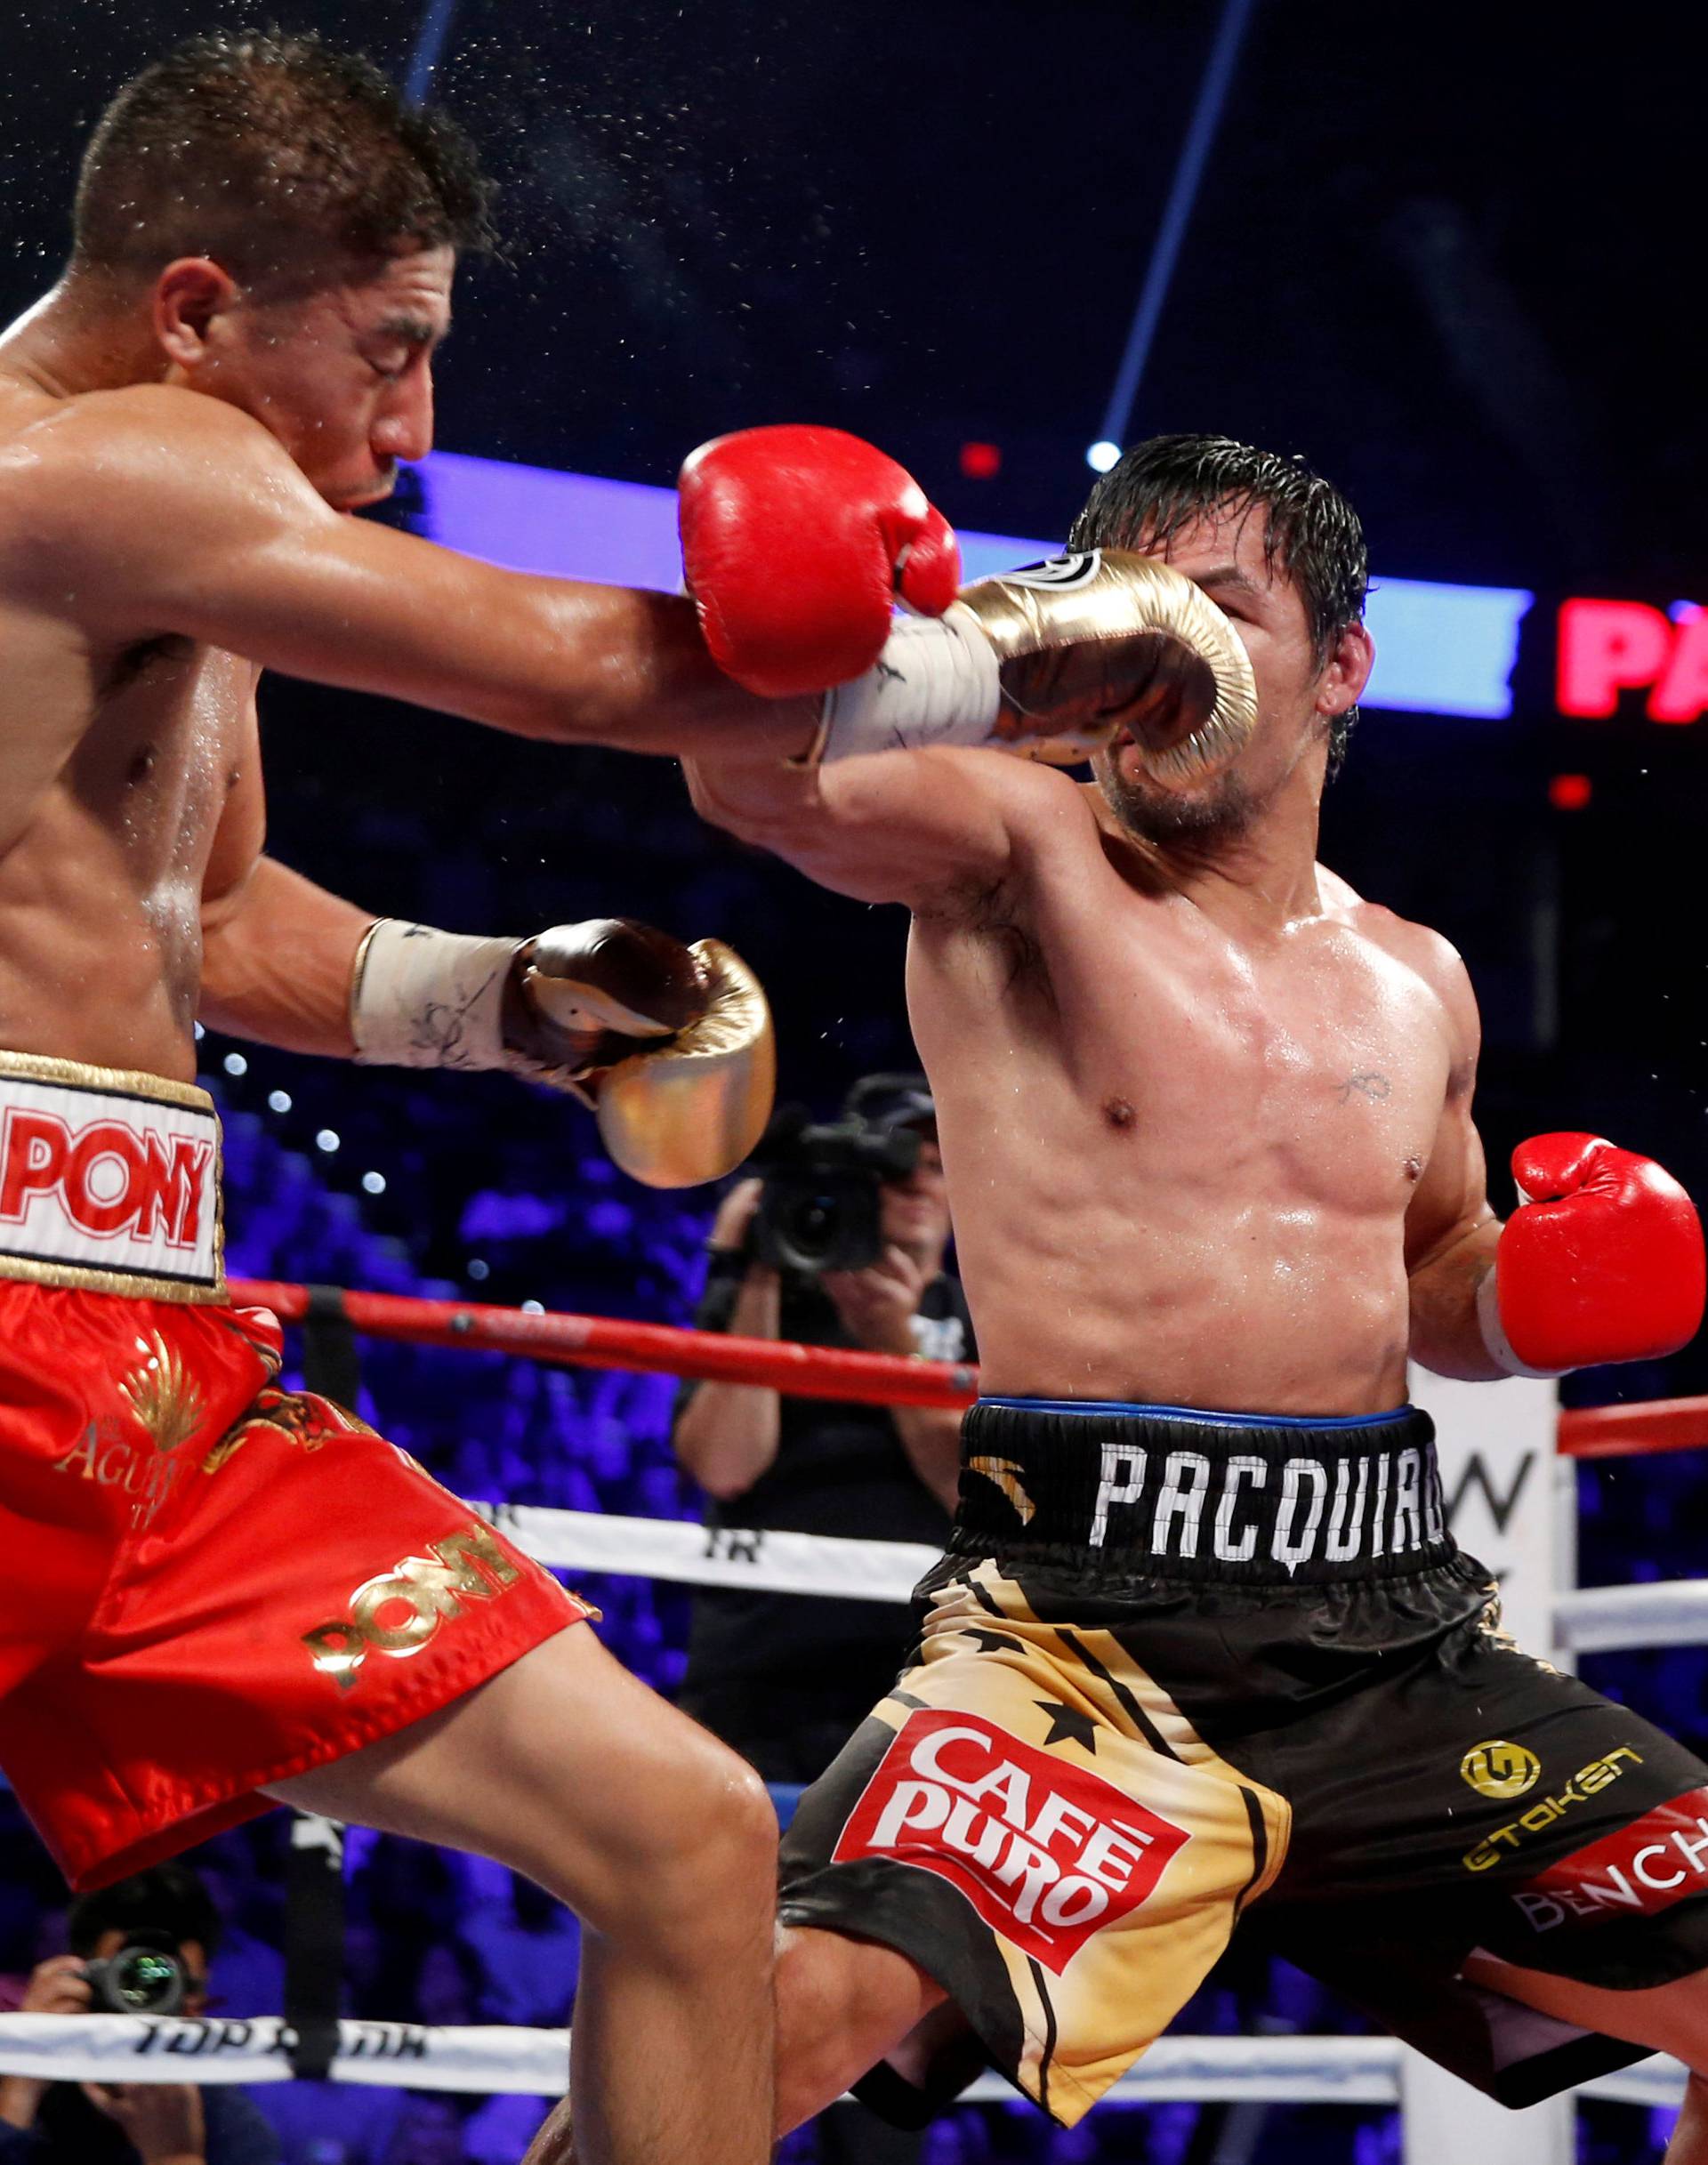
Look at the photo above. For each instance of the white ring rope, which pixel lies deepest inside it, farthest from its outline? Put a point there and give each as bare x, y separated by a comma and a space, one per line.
757, 1559
1615, 1619
488, 2060
481, 2058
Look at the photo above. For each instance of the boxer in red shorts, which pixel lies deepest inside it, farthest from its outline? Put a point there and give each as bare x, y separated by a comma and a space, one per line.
220, 1593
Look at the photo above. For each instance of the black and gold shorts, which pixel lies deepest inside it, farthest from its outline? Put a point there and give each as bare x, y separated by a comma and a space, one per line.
1180, 1669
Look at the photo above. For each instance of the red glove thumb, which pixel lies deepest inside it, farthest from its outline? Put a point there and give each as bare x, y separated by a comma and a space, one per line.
930, 570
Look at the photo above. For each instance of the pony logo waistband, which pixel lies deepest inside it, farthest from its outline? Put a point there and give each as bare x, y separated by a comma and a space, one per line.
109, 1180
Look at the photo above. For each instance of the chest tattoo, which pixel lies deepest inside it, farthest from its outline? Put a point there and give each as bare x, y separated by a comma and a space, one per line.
1368, 1084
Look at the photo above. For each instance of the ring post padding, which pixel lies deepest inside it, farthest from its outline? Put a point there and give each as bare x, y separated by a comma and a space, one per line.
1442, 2117
331, 1363
314, 1943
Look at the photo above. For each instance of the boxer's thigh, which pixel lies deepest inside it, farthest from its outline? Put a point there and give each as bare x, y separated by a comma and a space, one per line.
566, 1767
304, 1590
1662, 2017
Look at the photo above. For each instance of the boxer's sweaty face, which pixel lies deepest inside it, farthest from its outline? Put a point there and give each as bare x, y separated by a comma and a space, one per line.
342, 375
1223, 553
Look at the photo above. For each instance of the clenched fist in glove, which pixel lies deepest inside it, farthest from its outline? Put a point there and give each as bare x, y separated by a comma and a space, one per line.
1056, 660
671, 1045
1602, 1260
797, 543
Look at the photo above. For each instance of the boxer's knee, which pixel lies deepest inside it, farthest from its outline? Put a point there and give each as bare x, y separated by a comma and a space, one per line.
693, 1861
842, 2005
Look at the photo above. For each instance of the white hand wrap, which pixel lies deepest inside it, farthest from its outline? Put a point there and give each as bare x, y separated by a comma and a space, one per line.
938, 681
1494, 1338
420, 998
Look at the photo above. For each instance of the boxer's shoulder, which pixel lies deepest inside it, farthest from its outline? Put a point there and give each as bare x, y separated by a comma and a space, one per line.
1424, 953
89, 484
138, 431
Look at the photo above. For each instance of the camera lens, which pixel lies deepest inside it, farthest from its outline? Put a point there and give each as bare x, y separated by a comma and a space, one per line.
810, 1227
146, 1981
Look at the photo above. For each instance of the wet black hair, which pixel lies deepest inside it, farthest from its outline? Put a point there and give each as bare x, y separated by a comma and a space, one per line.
276, 156
1311, 532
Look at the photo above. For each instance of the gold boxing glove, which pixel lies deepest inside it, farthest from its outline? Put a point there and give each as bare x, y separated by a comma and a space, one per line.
1053, 662
670, 1045
690, 1108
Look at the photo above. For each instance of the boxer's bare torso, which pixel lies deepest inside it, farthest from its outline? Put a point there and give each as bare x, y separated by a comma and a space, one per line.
1182, 1154
120, 763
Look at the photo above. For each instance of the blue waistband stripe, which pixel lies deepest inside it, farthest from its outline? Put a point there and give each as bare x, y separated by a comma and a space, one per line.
1200, 1415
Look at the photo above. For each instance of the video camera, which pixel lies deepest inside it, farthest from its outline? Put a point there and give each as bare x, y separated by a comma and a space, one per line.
821, 1204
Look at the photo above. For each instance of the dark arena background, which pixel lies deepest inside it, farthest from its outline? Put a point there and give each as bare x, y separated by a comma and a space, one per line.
1449, 255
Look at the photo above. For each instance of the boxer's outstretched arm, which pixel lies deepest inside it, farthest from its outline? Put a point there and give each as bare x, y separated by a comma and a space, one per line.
150, 511
1450, 1230
896, 826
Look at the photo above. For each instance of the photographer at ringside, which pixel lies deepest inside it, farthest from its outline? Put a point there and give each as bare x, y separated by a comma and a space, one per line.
840, 1241
138, 1947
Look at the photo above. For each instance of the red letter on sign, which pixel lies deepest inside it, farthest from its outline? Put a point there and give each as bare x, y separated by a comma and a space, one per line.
1682, 693
1604, 647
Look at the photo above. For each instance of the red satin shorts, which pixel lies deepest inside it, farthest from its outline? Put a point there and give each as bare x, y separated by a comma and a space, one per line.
213, 1585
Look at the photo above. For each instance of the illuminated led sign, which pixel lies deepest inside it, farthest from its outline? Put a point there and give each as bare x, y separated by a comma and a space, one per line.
1608, 648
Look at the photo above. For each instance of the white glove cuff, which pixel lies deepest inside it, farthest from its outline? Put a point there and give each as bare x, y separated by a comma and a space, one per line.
1494, 1338
938, 681
420, 998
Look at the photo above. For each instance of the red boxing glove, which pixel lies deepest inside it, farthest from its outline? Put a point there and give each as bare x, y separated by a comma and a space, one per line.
1601, 1261
796, 542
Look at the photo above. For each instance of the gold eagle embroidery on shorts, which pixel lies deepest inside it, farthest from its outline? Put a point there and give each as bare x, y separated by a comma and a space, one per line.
1005, 1475
301, 1418
164, 1396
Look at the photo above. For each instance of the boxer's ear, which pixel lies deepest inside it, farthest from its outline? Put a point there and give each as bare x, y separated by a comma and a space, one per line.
188, 294
1347, 670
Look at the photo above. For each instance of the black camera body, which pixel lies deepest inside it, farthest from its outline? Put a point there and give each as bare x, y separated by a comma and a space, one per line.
821, 1206
145, 1977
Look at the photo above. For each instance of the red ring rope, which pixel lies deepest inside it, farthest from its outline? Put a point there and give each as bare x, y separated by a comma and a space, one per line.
823, 1371
1622, 1431
605, 1341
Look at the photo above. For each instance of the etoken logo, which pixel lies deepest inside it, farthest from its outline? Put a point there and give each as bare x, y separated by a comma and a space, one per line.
1500, 1769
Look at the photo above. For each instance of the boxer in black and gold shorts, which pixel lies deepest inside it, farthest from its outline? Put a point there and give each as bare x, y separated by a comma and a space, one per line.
1180, 1672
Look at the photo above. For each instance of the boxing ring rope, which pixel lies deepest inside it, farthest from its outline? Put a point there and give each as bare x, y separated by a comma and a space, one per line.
489, 2059
605, 1341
